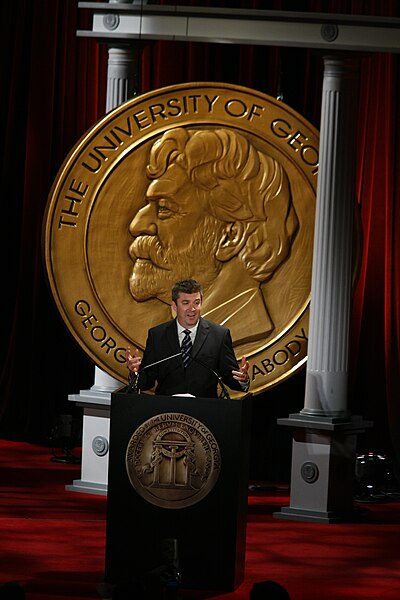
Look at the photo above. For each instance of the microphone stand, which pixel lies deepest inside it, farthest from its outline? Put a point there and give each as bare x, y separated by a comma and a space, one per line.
133, 381
224, 392
134, 377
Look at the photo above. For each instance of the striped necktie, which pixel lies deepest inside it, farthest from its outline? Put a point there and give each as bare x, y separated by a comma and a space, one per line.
186, 348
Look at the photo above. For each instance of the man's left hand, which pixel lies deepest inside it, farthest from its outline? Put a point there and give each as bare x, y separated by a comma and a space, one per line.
242, 375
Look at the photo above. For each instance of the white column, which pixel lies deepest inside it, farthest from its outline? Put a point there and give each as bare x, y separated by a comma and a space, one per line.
122, 82
123, 73
123, 76
327, 366
120, 75
324, 433
103, 382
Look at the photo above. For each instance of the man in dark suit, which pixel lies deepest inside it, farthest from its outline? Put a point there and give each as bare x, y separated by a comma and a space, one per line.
199, 353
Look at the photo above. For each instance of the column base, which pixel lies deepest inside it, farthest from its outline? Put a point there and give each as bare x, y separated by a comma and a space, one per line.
96, 406
87, 487
298, 514
323, 468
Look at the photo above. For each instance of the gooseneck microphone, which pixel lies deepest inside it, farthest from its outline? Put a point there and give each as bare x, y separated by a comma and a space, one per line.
134, 377
224, 392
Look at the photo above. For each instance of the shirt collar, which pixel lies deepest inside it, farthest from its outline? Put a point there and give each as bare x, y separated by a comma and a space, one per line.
193, 330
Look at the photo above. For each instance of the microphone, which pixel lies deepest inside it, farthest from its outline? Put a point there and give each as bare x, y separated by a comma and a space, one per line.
134, 379
224, 392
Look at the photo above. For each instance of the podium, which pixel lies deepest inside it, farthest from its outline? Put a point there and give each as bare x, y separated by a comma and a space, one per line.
178, 474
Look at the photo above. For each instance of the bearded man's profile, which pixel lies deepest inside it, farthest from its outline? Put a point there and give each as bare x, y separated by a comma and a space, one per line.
219, 211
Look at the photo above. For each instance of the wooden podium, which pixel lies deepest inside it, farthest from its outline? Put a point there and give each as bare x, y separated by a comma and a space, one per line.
190, 487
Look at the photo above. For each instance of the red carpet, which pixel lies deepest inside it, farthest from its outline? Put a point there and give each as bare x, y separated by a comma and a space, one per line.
52, 541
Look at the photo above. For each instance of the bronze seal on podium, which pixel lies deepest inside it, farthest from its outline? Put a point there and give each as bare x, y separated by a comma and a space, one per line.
173, 460
205, 180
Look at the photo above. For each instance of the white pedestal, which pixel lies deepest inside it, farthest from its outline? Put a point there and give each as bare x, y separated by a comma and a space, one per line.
96, 404
323, 468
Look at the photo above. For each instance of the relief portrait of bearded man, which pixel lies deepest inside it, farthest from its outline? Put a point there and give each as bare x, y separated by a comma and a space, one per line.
218, 211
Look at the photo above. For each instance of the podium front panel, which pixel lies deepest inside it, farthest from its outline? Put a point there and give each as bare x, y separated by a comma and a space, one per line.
163, 500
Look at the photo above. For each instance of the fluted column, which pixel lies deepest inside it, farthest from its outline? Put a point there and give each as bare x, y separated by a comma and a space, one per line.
123, 72
123, 82
120, 75
327, 366
324, 433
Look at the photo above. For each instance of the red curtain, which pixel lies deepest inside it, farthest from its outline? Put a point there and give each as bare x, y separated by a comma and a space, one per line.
53, 89
376, 314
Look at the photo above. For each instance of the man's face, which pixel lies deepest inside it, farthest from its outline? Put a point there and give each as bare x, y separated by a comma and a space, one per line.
187, 308
174, 238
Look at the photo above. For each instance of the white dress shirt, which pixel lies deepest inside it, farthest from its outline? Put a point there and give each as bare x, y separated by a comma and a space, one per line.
181, 335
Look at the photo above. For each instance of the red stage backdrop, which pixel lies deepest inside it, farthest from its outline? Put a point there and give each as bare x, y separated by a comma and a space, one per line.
53, 89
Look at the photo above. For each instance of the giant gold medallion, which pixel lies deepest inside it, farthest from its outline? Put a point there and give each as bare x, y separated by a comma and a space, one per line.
210, 181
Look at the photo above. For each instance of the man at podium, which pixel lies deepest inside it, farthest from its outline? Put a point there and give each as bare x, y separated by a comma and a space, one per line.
188, 355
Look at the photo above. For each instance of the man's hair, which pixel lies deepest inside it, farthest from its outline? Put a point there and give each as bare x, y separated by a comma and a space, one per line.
236, 183
186, 286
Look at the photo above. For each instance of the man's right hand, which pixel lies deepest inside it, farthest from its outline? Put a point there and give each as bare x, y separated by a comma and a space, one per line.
133, 362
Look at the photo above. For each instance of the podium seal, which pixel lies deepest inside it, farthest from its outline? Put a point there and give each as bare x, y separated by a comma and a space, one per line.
173, 460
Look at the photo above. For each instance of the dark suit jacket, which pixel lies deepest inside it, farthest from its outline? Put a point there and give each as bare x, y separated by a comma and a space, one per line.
212, 349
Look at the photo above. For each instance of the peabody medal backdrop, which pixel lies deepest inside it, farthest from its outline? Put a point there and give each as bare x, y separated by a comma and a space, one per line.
101, 188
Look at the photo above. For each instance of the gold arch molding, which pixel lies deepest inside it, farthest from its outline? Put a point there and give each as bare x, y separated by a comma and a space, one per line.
205, 180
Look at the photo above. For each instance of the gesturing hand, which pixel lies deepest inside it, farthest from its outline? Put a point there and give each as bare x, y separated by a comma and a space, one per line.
242, 374
133, 362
